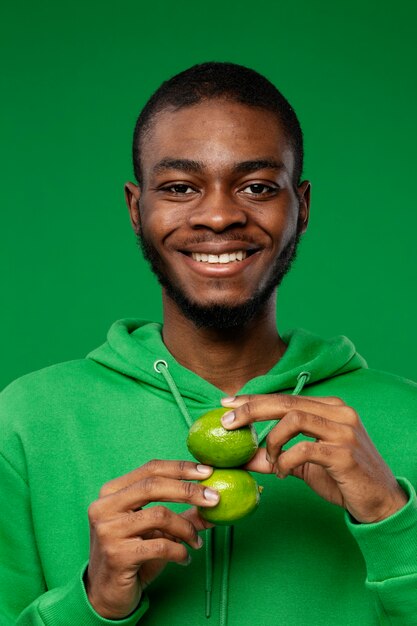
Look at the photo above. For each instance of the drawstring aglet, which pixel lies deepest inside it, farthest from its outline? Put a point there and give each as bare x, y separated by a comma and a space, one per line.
208, 603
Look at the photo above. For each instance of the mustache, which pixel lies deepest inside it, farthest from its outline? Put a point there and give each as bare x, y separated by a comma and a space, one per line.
221, 238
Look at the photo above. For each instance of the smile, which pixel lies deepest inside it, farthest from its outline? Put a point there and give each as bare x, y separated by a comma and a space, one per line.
239, 255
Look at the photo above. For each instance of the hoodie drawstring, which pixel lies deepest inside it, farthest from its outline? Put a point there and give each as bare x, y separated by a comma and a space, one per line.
209, 569
161, 367
302, 379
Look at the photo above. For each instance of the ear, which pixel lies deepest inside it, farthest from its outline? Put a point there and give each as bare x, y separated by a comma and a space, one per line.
304, 194
132, 195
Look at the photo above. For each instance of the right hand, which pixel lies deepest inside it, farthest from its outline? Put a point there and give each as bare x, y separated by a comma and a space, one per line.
129, 546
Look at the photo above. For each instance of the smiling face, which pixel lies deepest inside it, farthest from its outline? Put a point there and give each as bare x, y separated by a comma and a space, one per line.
217, 212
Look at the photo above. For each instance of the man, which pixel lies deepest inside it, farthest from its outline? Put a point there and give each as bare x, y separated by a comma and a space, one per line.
218, 208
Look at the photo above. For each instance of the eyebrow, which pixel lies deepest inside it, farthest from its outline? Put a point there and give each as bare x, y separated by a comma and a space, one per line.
185, 165
197, 167
258, 164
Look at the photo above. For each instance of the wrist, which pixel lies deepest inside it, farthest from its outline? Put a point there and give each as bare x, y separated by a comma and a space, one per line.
394, 503
103, 609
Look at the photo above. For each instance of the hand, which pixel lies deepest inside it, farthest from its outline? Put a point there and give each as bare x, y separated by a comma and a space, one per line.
342, 465
130, 546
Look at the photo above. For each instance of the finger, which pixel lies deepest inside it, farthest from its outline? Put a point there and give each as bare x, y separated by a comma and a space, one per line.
327, 400
156, 489
300, 422
235, 401
323, 454
275, 406
134, 552
197, 521
182, 470
155, 518
259, 463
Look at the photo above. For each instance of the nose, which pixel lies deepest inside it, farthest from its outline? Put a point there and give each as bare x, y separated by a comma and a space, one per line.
217, 211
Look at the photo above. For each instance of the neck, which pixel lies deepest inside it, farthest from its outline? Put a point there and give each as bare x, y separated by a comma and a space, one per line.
226, 358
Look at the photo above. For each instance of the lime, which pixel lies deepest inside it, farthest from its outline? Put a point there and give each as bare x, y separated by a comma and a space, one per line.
212, 444
239, 496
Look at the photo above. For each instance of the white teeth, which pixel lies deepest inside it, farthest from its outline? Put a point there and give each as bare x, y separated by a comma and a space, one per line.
240, 255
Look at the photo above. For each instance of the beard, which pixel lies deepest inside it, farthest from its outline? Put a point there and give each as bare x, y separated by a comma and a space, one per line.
221, 316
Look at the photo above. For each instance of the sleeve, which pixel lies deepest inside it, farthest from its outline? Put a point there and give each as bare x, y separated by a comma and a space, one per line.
389, 548
24, 599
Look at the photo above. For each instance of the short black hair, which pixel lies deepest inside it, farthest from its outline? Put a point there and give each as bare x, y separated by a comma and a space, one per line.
227, 81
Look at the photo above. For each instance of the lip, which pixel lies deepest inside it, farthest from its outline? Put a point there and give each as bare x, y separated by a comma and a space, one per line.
219, 270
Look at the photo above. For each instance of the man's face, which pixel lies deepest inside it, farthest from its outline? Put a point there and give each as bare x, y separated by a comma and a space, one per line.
217, 213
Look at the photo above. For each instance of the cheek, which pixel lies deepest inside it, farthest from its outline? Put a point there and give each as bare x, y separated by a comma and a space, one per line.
158, 224
285, 223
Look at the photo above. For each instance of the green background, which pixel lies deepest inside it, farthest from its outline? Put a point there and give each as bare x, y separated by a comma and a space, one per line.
75, 76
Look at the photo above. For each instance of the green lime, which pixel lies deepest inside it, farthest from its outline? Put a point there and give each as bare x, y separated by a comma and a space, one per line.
212, 444
239, 496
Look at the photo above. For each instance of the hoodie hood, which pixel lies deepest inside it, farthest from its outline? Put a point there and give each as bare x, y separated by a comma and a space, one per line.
133, 347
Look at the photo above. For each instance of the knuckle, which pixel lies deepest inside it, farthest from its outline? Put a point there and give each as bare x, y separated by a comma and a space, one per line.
245, 410
288, 401
93, 513
141, 550
161, 549
350, 437
101, 532
148, 484
160, 514
111, 553
318, 420
190, 530
182, 466
336, 400
152, 466
306, 447
296, 417
273, 438
132, 517
324, 450
105, 490
350, 415
190, 489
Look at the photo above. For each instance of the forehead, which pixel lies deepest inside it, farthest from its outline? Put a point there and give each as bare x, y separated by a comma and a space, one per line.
217, 133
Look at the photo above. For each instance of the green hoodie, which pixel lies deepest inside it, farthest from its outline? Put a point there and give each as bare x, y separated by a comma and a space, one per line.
298, 560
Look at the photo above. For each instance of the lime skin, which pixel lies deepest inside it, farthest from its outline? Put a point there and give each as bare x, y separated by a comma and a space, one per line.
210, 443
239, 496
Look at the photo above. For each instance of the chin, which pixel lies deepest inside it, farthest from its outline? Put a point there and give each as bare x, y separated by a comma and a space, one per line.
221, 315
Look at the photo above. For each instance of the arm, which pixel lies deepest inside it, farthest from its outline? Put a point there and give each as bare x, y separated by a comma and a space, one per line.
389, 548
343, 466
127, 544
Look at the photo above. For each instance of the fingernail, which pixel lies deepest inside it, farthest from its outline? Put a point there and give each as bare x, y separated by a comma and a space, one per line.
228, 400
211, 495
187, 562
268, 458
228, 418
280, 475
199, 541
204, 469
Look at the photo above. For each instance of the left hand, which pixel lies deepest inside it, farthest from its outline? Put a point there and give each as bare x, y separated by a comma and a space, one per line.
342, 465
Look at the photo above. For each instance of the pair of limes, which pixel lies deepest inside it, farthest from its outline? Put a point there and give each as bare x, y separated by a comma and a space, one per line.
210, 443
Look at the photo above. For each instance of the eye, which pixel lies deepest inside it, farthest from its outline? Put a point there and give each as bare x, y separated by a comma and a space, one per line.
259, 189
180, 189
